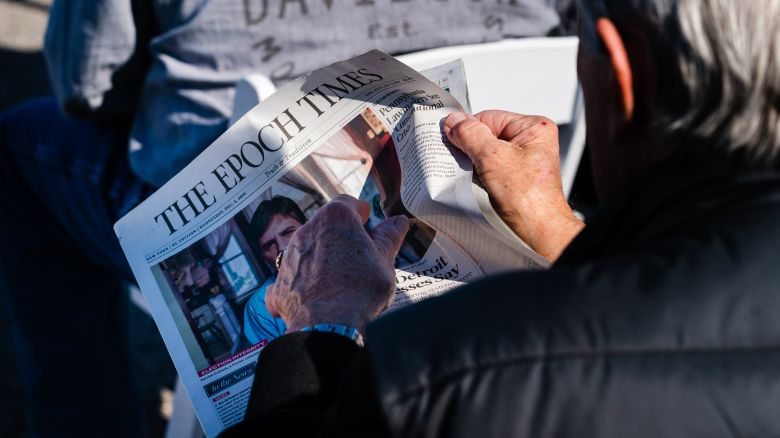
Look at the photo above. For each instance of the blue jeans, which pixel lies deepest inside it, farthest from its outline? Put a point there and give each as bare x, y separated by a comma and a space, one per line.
63, 183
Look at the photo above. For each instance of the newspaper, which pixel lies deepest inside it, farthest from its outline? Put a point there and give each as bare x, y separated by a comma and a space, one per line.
202, 247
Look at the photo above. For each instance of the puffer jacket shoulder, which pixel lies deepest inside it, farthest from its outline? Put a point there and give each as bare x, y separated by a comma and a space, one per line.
662, 319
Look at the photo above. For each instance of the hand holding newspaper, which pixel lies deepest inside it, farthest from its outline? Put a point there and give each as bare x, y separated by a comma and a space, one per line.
203, 247
334, 272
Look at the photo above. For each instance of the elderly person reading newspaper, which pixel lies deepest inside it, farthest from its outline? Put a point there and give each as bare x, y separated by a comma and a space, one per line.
661, 317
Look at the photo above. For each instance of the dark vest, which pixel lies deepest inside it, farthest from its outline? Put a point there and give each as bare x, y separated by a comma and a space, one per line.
661, 319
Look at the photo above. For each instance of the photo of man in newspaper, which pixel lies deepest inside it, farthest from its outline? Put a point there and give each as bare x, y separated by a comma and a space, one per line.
218, 284
270, 230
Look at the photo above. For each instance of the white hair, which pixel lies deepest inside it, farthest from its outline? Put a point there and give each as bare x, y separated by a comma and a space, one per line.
726, 57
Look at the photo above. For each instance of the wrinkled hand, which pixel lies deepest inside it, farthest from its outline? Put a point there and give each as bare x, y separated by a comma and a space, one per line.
517, 159
334, 272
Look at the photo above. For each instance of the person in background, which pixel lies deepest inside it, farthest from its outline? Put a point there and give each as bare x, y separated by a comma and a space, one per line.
146, 86
660, 317
270, 230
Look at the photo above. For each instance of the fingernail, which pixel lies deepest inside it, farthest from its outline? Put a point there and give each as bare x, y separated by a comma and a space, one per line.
454, 119
400, 222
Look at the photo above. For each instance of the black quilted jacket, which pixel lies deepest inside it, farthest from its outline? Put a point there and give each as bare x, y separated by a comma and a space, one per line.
662, 319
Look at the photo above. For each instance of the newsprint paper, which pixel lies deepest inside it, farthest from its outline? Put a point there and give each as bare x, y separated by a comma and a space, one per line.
203, 246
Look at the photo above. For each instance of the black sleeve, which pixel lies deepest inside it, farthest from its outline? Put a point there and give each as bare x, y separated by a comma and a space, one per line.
312, 384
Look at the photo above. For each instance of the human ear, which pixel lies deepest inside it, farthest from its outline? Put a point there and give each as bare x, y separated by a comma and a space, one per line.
621, 65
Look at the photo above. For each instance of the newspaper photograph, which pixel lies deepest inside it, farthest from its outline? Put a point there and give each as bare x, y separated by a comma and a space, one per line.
203, 247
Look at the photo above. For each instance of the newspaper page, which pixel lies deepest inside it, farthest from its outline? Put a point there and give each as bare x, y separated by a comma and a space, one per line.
202, 248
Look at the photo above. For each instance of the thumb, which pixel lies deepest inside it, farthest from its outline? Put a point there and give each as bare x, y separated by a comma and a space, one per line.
389, 235
468, 134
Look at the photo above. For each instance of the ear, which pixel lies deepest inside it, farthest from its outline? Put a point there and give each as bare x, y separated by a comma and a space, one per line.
620, 62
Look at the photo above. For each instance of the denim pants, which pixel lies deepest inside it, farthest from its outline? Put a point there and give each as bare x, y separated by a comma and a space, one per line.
63, 184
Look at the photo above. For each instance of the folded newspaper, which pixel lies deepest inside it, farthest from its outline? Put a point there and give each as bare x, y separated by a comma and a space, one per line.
203, 247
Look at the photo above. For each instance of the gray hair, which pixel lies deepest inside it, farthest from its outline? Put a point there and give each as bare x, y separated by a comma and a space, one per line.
724, 56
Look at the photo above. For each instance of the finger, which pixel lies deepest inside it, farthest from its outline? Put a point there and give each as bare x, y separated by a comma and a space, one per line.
520, 129
470, 135
453, 119
389, 235
360, 207
271, 301
498, 120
